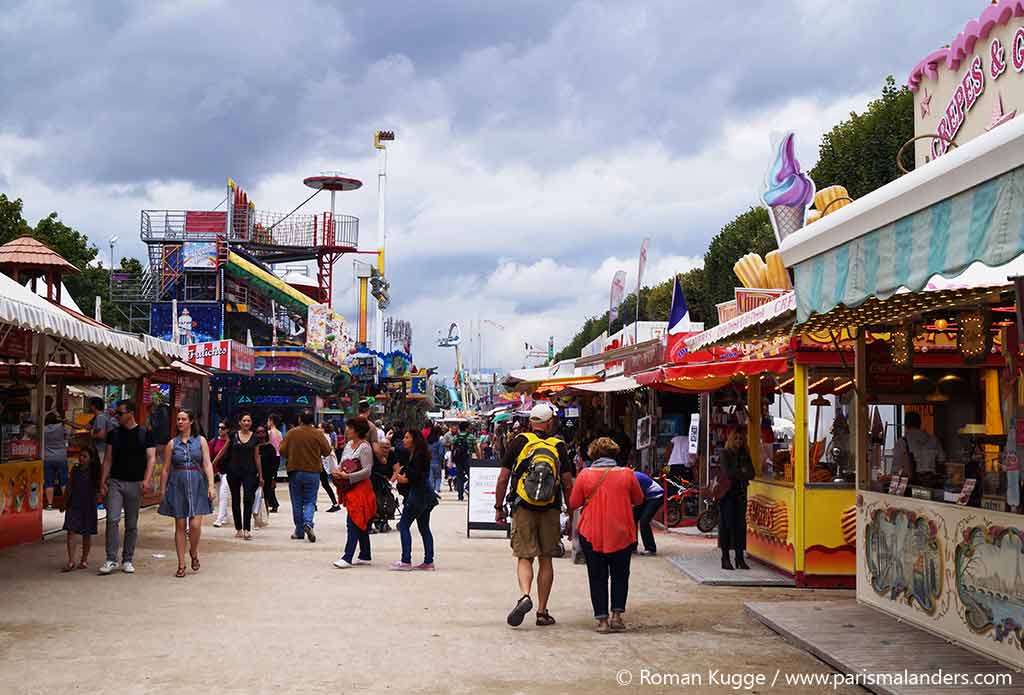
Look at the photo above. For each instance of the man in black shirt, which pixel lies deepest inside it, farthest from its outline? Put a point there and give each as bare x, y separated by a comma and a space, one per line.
127, 472
536, 531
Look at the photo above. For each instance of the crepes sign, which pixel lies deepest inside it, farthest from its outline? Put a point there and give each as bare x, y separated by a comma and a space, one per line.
973, 85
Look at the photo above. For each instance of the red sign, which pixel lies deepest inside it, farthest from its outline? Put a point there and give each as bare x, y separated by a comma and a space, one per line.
225, 355
16, 343
747, 298
24, 449
883, 375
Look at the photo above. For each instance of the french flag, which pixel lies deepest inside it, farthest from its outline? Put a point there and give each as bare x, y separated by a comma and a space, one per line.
679, 314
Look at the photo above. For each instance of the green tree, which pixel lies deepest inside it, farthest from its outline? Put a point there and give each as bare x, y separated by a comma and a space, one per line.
750, 232
860, 152
12, 224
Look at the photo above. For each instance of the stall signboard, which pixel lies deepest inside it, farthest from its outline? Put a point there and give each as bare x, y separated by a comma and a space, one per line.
226, 355
694, 435
21, 502
483, 479
327, 333
883, 375
199, 255
197, 322
648, 356
748, 298
297, 400
22, 449
972, 86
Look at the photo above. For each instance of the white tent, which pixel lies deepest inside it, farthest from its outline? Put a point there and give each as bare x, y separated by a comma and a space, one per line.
102, 351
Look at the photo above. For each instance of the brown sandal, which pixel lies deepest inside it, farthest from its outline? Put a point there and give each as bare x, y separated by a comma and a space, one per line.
195, 563
181, 572
544, 618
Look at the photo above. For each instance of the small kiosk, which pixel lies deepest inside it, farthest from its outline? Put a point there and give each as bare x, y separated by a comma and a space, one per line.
940, 535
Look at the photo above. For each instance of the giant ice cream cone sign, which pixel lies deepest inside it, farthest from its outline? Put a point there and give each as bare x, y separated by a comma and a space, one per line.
788, 191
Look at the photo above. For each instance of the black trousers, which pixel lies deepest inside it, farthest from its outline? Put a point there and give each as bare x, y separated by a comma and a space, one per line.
325, 483
732, 522
460, 482
599, 567
243, 493
643, 514
269, 492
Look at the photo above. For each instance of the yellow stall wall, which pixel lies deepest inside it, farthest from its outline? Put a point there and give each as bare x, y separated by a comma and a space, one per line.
830, 533
770, 527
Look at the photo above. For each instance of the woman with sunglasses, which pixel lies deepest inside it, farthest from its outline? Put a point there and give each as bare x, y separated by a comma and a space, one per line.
188, 489
269, 463
219, 476
244, 474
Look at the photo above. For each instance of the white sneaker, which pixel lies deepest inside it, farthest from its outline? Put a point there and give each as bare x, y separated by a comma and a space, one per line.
108, 567
362, 562
128, 568
218, 524
342, 564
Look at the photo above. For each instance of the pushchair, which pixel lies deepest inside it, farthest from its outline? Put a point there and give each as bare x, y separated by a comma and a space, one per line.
387, 503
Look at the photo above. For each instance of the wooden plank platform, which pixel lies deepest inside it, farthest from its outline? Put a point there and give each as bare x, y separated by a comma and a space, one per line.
706, 568
853, 638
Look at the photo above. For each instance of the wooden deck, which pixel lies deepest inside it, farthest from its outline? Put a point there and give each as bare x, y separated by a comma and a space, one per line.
853, 638
706, 568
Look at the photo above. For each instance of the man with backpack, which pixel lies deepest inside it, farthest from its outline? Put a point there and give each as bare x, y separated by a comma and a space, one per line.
541, 473
463, 447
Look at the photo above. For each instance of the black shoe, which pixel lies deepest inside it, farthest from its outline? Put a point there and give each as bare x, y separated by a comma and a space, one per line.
726, 565
334, 508
297, 536
741, 564
309, 533
523, 606
274, 510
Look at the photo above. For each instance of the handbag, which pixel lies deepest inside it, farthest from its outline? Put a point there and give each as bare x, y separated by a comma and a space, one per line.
260, 514
720, 485
349, 466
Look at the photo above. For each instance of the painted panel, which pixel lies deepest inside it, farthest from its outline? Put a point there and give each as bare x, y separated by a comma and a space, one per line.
830, 532
770, 525
955, 571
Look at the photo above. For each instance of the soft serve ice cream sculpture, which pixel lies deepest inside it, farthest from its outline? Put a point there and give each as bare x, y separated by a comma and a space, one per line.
788, 191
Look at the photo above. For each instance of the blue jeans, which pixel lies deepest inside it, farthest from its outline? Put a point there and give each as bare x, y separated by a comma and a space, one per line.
356, 536
436, 475
422, 522
302, 488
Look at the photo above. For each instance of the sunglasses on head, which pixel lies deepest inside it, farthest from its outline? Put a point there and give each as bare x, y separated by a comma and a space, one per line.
222, 427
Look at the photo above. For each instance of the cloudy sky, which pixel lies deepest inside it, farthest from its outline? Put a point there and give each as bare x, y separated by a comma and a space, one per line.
538, 142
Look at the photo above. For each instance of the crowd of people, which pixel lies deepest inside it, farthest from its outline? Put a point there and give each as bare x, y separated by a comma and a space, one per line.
361, 468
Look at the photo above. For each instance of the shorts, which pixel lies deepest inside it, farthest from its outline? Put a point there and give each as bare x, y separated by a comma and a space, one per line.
536, 534
55, 473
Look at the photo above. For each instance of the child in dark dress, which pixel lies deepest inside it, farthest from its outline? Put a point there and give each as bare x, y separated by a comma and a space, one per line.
80, 517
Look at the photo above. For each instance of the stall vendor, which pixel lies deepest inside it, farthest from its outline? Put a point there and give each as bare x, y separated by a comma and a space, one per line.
918, 452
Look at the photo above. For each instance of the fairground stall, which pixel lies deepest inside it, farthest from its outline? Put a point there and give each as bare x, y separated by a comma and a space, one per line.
45, 347
793, 396
939, 529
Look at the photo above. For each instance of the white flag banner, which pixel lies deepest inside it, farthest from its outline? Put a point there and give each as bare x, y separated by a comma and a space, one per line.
615, 299
642, 265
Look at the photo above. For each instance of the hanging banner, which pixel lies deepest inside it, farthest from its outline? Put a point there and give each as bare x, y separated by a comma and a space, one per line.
617, 292
642, 266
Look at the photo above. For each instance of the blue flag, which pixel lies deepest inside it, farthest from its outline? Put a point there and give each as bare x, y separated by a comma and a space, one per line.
679, 313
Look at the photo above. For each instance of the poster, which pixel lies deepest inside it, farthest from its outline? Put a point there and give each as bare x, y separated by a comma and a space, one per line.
21, 504
694, 435
197, 322
200, 255
643, 433
483, 477
327, 333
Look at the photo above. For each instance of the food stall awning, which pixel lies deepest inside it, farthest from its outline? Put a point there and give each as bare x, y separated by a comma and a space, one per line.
766, 321
965, 206
100, 350
616, 384
274, 287
710, 376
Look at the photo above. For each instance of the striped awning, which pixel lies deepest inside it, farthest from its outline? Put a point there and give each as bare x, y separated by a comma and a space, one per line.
963, 207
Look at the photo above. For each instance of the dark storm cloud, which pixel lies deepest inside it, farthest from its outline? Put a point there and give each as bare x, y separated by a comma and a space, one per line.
128, 92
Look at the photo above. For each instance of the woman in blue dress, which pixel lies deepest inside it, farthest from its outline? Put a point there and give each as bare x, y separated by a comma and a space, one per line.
188, 489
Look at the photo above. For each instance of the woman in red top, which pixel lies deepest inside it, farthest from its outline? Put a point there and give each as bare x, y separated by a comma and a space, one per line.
607, 493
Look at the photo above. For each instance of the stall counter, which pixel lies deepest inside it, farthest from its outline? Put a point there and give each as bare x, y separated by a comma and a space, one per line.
21, 502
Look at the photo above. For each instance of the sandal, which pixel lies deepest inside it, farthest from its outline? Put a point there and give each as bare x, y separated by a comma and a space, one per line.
82, 565
181, 572
603, 628
195, 563
523, 606
68, 567
544, 618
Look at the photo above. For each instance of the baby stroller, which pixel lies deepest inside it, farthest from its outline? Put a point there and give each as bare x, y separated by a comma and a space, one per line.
387, 503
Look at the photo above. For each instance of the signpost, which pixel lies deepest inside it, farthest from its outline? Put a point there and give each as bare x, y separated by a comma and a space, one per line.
483, 477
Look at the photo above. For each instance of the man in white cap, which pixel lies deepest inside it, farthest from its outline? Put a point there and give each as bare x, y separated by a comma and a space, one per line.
541, 473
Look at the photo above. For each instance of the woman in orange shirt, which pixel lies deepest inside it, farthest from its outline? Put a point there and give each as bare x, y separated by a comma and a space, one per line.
607, 494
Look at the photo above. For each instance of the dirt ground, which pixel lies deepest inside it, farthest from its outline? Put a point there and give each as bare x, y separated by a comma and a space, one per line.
273, 615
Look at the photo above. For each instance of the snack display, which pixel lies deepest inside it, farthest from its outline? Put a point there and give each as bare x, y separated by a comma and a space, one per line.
830, 199
778, 278
751, 270
788, 191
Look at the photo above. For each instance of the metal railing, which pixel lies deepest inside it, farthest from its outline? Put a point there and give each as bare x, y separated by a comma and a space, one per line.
258, 229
